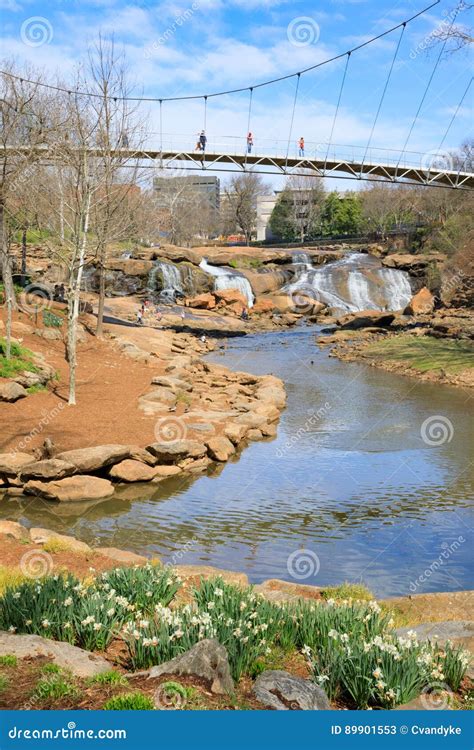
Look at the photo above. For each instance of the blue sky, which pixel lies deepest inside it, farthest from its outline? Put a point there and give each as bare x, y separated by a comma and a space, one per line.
186, 47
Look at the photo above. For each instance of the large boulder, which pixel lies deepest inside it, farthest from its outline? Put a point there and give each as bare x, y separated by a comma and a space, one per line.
50, 469
262, 306
365, 319
415, 265
13, 529
11, 391
282, 303
220, 448
11, 463
207, 659
204, 301
97, 457
171, 453
81, 663
230, 297
285, 692
421, 304
132, 471
266, 281
71, 489
235, 432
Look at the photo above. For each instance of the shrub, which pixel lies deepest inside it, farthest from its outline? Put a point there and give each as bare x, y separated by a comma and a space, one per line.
54, 688
51, 668
111, 677
142, 586
42, 606
4, 682
8, 660
129, 702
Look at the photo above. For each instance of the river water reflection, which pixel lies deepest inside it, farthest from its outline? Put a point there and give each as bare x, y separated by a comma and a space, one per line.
349, 478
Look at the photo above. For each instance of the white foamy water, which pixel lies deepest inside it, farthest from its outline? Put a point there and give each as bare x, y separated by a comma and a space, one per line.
357, 282
171, 276
226, 279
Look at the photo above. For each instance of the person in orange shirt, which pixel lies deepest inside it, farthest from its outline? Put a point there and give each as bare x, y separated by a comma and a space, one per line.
249, 143
301, 146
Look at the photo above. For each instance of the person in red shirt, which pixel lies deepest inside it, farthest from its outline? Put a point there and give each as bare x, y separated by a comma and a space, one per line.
249, 143
301, 146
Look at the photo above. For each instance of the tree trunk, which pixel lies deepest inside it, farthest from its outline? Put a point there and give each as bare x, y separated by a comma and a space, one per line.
75, 280
23, 255
100, 310
8, 289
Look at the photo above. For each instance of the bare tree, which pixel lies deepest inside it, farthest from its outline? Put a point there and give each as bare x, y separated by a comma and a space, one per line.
241, 199
455, 35
25, 126
118, 134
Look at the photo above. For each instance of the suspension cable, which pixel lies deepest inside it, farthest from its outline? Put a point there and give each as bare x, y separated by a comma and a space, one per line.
248, 123
337, 108
383, 95
425, 93
292, 119
231, 91
455, 115
205, 113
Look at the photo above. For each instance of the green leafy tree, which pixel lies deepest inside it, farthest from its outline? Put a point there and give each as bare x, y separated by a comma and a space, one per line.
342, 214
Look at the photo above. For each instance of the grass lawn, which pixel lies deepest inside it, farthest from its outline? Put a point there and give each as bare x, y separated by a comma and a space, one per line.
424, 353
21, 359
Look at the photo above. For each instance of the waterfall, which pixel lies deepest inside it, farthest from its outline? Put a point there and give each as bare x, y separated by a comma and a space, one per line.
356, 282
171, 280
227, 279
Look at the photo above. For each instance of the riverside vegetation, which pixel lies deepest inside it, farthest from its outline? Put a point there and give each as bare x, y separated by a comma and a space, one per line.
350, 647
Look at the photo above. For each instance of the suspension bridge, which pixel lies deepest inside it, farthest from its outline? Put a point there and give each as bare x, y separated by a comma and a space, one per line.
176, 154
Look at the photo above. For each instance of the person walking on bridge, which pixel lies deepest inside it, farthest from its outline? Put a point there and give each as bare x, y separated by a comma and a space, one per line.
249, 143
301, 146
203, 141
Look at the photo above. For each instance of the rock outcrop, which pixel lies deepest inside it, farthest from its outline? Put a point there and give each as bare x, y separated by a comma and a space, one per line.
207, 659
285, 692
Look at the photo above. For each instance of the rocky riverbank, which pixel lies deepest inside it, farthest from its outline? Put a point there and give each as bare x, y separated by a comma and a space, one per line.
175, 413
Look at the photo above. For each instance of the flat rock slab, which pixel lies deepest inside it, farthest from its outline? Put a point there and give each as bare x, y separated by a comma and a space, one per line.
283, 591
207, 571
81, 663
97, 457
172, 452
11, 463
42, 536
122, 556
49, 469
207, 659
71, 489
285, 692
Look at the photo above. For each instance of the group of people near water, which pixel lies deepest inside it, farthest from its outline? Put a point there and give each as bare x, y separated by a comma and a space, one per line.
202, 142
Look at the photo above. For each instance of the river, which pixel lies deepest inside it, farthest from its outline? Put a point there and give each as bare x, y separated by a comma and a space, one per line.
349, 479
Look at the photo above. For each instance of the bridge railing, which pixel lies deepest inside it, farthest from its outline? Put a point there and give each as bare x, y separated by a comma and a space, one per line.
268, 147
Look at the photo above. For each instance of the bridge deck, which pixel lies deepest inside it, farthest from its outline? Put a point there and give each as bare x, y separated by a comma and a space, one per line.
215, 161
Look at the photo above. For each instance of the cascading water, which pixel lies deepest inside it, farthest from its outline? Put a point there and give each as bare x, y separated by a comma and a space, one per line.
171, 280
357, 282
227, 279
